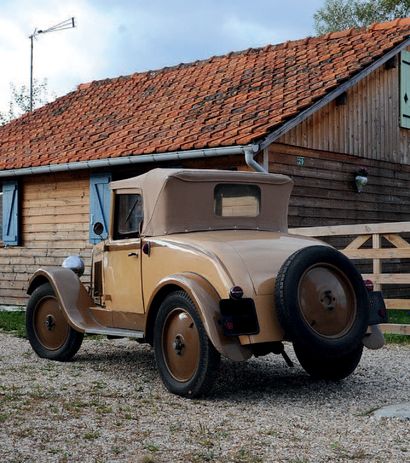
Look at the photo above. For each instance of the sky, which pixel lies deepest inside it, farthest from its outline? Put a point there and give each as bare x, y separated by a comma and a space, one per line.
114, 38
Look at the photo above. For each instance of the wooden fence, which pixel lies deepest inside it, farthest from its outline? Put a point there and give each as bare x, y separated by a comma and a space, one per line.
386, 244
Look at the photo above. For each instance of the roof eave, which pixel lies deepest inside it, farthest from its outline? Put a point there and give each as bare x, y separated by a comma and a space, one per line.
273, 136
128, 160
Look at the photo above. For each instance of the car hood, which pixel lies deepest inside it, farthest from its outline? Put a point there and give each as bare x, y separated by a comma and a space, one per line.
252, 258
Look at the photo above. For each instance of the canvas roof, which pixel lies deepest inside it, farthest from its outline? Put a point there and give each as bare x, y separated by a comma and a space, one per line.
182, 200
235, 99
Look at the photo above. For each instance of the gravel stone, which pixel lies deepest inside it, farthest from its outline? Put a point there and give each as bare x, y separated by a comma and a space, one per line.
109, 405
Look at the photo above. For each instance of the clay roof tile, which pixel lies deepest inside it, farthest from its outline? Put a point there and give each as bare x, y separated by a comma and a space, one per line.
234, 98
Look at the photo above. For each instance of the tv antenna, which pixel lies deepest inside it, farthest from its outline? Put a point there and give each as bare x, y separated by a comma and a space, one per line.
67, 24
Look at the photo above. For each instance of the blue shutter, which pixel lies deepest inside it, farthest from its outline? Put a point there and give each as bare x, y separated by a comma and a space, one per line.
405, 90
99, 204
11, 235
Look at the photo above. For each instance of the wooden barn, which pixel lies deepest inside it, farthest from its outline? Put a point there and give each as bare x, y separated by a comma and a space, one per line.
322, 110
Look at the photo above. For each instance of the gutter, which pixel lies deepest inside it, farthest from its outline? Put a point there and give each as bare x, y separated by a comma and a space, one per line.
248, 151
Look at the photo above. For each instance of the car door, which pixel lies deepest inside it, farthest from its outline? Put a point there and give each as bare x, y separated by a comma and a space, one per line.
122, 260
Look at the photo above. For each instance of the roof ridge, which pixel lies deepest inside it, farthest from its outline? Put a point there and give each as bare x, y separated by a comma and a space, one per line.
399, 22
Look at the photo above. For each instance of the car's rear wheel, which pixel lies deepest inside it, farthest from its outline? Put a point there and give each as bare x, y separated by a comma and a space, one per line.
332, 368
47, 329
321, 301
186, 359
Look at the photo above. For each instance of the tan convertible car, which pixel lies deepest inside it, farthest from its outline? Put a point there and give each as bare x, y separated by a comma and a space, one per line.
199, 264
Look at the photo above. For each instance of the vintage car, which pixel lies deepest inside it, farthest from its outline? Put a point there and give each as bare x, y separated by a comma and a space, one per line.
199, 264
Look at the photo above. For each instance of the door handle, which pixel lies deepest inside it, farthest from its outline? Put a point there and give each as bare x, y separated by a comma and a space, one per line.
132, 254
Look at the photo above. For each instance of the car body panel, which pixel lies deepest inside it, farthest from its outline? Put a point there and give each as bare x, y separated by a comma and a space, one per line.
122, 276
184, 243
71, 294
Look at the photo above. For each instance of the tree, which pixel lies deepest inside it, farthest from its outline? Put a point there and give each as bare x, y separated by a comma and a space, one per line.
337, 15
20, 100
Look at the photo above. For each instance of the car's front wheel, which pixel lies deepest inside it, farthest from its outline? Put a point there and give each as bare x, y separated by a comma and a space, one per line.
186, 359
47, 329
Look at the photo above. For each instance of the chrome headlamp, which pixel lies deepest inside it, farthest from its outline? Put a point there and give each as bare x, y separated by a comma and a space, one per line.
74, 263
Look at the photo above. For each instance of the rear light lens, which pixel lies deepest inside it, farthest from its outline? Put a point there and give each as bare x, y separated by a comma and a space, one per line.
369, 285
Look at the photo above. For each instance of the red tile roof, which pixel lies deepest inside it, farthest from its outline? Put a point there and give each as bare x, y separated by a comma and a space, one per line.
233, 99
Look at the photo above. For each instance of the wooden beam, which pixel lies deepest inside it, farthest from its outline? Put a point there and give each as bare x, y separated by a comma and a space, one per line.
342, 230
357, 242
397, 304
386, 253
388, 278
393, 328
397, 241
377, 265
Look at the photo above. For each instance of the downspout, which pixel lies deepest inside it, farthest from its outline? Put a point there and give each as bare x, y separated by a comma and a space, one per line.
250, 153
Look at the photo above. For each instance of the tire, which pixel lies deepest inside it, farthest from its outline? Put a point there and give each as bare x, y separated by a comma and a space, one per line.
321, 302
48, 332
186, 359
331, 368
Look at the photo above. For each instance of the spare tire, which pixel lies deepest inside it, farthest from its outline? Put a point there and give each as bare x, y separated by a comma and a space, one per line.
321, 301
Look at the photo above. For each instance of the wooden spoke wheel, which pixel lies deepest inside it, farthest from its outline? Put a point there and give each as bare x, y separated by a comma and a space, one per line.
321, 302
47, 329
186, 359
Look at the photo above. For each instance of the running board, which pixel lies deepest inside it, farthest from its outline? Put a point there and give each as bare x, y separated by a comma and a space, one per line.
116, 332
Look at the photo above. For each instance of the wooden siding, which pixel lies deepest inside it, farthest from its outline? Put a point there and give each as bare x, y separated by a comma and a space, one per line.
55, 222
368, 125
324, 191
55, 216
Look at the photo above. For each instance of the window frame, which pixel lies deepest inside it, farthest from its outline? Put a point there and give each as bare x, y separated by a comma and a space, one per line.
250, 186
117, 235
11, 212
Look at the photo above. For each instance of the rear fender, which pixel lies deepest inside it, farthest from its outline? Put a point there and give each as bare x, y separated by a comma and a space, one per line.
71, 294
206, 301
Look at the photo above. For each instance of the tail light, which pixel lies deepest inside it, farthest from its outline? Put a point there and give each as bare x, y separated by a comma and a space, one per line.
369, 285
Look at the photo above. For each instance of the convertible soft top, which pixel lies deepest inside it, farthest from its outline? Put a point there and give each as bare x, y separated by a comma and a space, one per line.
182, 200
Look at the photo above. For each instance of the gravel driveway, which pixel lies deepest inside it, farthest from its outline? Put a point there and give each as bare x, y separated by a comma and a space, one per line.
110, 406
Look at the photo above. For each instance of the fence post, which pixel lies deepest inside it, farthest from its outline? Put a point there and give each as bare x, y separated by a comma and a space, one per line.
377, 265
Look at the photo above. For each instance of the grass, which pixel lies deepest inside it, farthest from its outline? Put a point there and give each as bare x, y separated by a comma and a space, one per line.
13, 322
399, 317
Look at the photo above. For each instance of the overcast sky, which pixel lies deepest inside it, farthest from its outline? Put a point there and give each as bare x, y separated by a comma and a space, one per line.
121, 37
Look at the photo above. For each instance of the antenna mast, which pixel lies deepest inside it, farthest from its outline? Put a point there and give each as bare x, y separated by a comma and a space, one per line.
67, 24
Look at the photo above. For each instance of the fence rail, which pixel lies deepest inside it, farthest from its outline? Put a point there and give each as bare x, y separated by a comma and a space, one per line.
386, 244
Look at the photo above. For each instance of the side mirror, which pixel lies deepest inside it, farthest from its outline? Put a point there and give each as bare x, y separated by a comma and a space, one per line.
98, 228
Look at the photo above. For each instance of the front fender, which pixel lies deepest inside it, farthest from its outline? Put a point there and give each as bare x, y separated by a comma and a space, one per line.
71, 294
206, 300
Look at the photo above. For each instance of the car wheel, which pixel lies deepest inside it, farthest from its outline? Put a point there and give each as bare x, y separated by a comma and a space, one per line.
321, 301
333, 368
47, 329
186, 359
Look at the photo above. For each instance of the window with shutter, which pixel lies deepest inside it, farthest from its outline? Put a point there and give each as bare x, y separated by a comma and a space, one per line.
10, 216
99, 204
405, 89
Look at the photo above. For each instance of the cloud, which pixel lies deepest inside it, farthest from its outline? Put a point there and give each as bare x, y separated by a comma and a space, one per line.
248, 32
65, 58
121, 37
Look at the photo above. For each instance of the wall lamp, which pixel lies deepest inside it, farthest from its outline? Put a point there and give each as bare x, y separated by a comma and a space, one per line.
360, 179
